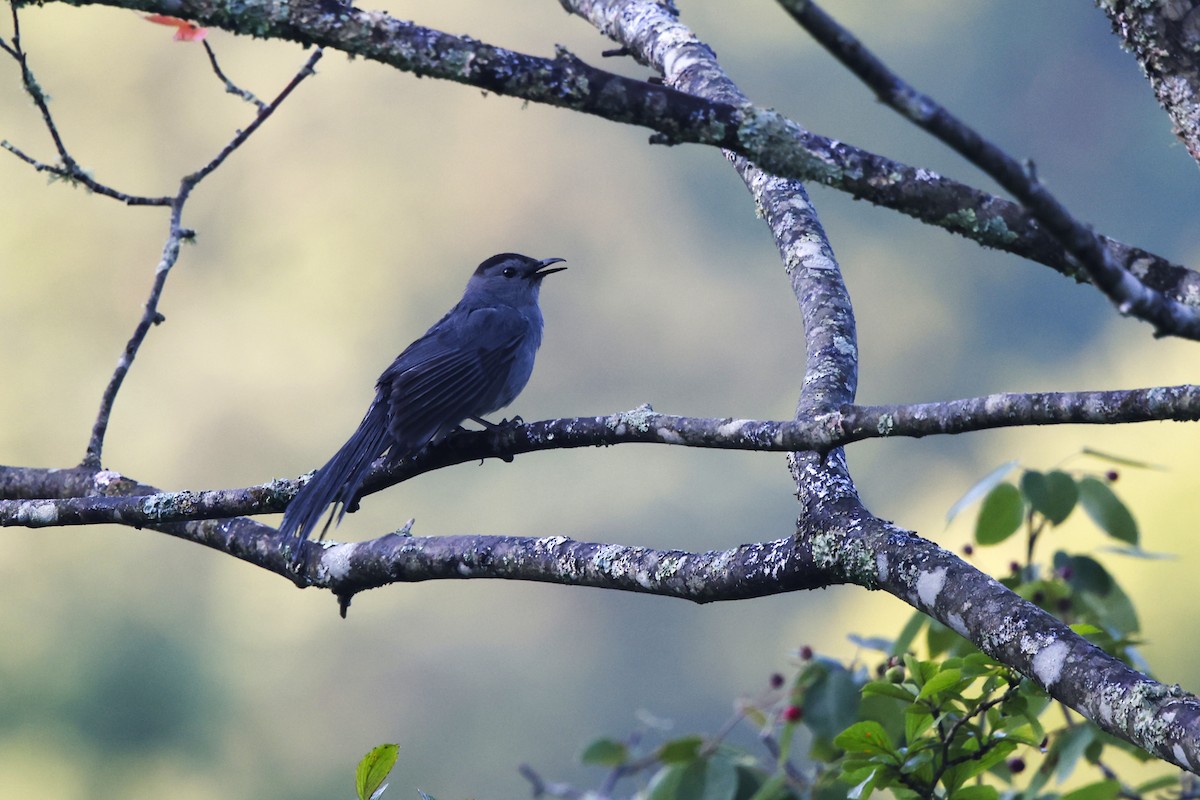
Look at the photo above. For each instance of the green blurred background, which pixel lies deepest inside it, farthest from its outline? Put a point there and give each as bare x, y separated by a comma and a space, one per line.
136, 666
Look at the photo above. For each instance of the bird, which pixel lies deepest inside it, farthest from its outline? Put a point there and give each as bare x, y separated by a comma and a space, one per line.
473, 361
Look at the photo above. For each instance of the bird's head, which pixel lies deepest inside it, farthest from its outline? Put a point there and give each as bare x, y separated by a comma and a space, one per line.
510, 278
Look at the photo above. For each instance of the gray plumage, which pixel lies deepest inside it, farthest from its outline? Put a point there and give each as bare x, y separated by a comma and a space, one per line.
474, 361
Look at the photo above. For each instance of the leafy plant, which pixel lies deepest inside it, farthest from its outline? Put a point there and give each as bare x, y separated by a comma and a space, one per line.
952, 725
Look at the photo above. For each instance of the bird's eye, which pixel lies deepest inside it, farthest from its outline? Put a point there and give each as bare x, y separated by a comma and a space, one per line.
509, 272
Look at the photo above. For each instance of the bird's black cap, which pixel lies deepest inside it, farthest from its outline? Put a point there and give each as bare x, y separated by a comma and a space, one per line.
526, 261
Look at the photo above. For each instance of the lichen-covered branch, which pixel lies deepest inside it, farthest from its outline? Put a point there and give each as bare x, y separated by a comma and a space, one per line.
750, 570
1163, 720
1163, 37
1120, 284
836, 528
779, 146
27, 501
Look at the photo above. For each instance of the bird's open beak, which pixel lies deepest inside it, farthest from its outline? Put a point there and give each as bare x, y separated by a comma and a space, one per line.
546, 262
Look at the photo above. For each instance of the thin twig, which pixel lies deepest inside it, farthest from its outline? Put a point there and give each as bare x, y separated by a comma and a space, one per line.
177, 234
230, 86
242, 136
791, 770
539, 787
1128, 294
69, 169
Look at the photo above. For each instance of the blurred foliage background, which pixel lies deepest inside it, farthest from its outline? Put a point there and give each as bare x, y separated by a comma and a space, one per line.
135, 666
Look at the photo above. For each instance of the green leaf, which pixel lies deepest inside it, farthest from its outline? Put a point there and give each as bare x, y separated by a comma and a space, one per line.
831, 701
1113, 611
773, 788
1087, 574
720, 779
1085, 629
909, 633
1107, 511
1000, 516
940, 639
977, 792
1067, 749
863, 790
867, 736
1154, 784
1023, 735
1101, 790
1137, 552
1126, 462
871, 642
917, 720
373, 770
606, 753
981, 488
757, 718
889, 689
1053, 495
700, 779
666, 783
940, 682
683, 749
1000, 751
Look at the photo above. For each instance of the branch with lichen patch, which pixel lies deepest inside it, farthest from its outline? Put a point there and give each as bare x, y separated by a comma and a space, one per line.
820, 433
769, 140
1168, 315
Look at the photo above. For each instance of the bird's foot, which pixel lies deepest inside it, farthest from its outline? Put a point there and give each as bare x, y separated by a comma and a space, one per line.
503, 424
498, 430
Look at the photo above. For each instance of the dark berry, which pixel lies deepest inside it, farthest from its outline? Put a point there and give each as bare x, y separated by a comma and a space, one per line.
1112, 475
776, 681
1016, 765
806, 653
968, 550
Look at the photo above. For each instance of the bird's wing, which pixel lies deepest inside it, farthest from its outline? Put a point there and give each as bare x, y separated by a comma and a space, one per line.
451, 373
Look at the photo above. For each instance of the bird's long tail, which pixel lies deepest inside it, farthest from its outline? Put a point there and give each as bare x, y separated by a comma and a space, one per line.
340, 479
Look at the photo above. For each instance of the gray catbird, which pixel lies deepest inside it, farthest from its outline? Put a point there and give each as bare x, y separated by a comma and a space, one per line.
474, 361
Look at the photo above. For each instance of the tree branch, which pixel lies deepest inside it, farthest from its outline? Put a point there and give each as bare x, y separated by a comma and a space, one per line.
1162, 37
777, 145
54, 504
1128, 294
1163, 720
842, 535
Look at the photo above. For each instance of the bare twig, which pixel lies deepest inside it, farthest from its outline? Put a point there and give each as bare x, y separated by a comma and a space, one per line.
68, 169
541, 788
230, 86
795, 776
176, 235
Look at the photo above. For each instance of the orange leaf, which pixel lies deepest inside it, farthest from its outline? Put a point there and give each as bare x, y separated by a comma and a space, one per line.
184, 31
